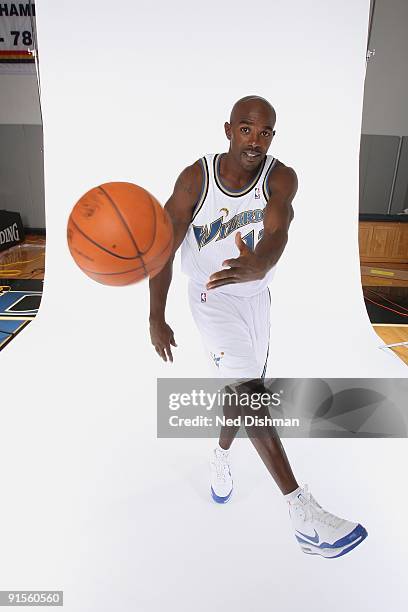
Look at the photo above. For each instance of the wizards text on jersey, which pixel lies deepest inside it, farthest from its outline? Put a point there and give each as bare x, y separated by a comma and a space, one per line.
219, 230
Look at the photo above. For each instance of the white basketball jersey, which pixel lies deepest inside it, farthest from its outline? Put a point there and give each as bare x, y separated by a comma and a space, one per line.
219, 213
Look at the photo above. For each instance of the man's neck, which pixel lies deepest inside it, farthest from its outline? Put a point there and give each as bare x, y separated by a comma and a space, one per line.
232, 174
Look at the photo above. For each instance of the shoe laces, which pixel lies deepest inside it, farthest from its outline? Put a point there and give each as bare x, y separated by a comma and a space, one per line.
221, 465
312, 509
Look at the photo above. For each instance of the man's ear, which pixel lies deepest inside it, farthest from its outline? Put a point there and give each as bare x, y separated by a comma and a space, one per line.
227, 129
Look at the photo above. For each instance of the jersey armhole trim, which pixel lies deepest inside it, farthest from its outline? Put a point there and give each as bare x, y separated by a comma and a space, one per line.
265, 187
204, 188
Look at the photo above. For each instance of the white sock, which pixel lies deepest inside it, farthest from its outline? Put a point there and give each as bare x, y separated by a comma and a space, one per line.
219, 449
289, 497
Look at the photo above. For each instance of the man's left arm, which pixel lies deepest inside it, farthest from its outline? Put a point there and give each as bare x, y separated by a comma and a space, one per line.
278, 214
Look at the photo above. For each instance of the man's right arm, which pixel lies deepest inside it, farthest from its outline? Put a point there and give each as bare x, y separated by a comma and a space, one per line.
180, 207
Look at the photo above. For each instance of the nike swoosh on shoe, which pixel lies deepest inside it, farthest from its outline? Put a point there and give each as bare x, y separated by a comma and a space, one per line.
314, 539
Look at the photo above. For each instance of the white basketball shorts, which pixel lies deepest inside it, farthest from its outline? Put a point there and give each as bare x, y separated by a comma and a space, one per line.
234, 330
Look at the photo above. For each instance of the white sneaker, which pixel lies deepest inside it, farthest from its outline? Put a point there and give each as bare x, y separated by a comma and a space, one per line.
221, 479
319, 532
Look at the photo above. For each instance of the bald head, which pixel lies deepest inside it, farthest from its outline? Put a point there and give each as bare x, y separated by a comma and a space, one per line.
250, 131
248, 104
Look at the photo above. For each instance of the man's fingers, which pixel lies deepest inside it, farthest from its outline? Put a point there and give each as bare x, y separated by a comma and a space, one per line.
233, 263
220, 283
169, 353
240, 243
160, 351
230, 273
222, 278
222, 275
164, 351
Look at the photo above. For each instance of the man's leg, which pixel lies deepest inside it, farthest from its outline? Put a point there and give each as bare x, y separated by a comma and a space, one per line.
236, 333
226, 339
231, 410
269, 447
247, 358
317, 531
266, 439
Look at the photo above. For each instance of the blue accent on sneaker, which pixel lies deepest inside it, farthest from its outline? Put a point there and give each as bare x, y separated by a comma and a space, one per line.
343, 552
346, 550
218, 499
314, 538
353, 538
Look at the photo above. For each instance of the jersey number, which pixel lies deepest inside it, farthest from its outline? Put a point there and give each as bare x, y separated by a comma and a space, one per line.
249, 240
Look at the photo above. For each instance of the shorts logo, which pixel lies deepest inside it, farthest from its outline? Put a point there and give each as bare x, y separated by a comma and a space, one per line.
257, 193
203, 297
217, 358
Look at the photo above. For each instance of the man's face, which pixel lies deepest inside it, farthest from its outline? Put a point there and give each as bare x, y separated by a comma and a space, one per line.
250, 134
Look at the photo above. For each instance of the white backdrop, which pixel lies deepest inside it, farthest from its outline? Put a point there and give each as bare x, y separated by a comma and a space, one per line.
93, 503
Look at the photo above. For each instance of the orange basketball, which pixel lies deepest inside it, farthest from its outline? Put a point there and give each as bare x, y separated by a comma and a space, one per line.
119, 234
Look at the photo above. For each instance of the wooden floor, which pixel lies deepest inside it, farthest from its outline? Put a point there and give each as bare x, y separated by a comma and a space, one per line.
387, 278
391, 334
21, 282
24, 261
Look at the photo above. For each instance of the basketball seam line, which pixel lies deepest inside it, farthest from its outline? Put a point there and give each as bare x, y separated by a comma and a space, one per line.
118, 273
100, 246
125, 226
154, 225
132, 269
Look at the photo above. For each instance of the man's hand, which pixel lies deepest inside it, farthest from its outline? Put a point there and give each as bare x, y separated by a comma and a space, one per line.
162, 337
247, 267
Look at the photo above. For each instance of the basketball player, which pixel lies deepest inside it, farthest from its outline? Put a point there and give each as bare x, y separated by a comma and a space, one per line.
231, 214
